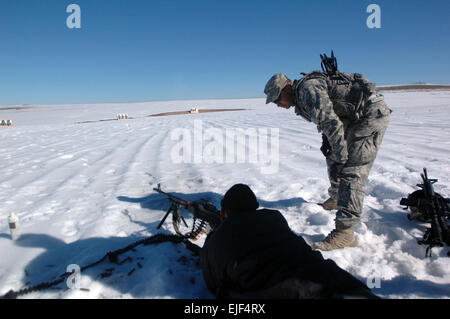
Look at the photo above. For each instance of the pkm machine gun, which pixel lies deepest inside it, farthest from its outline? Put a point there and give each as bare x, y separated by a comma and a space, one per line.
204, 212
428, 206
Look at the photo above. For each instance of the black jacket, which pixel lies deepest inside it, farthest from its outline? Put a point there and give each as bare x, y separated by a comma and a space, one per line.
256, 255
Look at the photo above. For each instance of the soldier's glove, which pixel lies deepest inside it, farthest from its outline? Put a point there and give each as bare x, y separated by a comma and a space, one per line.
326, 148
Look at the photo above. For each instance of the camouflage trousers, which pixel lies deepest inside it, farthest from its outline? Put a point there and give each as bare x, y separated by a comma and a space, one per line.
348, 181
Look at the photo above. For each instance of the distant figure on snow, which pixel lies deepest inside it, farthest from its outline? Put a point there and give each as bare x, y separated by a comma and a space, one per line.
353, 119
254, 254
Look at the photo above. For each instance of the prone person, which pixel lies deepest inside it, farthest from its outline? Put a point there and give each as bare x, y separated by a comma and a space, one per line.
254, 254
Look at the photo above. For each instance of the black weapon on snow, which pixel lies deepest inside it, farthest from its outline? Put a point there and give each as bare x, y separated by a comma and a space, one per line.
428, 206
204, 212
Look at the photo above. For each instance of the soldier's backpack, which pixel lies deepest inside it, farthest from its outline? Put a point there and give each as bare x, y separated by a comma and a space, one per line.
348, 91
361, 88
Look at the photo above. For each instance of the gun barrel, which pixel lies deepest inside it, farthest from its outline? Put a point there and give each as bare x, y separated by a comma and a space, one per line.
172, 198
428, 184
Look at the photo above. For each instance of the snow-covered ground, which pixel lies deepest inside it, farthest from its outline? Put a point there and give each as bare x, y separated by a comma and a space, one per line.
81, 190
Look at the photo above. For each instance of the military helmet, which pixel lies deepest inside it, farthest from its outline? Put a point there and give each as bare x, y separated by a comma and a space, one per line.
274, 86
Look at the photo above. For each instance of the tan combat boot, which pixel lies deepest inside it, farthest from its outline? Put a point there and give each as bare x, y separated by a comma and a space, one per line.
330, 204
337, 239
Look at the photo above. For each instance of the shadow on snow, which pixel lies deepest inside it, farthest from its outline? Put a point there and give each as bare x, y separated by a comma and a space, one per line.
161, 270
153, 271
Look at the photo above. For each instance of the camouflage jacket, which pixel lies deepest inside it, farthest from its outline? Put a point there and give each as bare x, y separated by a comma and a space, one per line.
333, 102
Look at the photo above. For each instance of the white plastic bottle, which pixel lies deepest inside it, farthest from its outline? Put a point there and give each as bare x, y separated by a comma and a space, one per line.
14, 226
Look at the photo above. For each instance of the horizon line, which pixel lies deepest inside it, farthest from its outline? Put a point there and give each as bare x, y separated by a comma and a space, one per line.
441, 86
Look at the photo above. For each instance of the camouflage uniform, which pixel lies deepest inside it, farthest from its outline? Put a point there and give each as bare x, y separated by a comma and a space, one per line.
354, 118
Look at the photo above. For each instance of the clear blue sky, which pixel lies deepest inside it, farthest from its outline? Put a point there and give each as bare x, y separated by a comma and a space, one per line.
136, 50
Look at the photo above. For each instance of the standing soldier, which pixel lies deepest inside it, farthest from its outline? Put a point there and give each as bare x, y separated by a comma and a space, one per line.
353, 119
